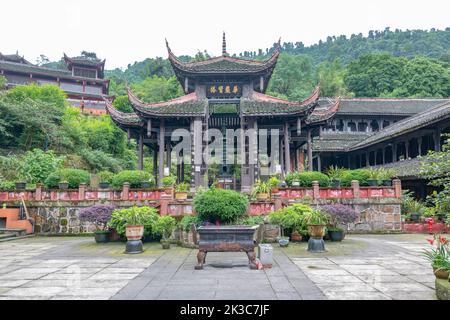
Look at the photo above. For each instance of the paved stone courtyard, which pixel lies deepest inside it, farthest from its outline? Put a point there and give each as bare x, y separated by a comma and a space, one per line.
361, 267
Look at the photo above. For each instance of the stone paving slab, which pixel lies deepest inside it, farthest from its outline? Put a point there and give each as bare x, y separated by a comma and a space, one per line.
367, 267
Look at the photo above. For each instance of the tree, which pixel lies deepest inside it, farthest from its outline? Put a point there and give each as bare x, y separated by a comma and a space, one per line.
293, 77
3, 82
373, 75
89, 55
122, 104
331, 77
156, 89
435, 167
42, 59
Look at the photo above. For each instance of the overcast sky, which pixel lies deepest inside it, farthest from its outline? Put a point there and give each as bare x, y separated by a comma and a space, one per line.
132, 30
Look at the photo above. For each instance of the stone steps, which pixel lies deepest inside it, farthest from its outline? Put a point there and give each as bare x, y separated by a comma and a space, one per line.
7, 234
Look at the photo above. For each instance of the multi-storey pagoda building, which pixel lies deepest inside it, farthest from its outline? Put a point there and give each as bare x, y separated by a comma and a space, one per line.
82, 79
224, 93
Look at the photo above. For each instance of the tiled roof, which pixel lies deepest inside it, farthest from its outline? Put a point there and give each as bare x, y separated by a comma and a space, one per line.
262, 105
408, 168
437, 113
14, 58
337, 141
84, 61
324, 111
57, 73
224, 64
379, 106
123, 119
185, 106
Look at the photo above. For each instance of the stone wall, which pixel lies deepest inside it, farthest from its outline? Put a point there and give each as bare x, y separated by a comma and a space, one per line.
58, 211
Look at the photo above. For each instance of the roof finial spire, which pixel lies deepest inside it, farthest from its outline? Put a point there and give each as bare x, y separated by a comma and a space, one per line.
224, 45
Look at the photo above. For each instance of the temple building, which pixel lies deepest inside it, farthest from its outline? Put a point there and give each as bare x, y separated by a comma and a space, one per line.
226, 92
83, 81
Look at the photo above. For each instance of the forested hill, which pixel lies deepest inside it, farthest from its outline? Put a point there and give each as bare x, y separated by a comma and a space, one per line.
433, 44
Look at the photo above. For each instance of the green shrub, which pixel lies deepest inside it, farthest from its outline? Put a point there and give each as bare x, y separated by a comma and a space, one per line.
7, 185
105, 176
291, 217
36, 165
187, 221
182, 187
169, 181
220, 204
133, 177
306, 179
73, 176
250, 220
362, 175
146, 216
164, 226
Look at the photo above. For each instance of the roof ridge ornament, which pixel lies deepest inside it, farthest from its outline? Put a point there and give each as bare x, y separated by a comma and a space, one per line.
224, 46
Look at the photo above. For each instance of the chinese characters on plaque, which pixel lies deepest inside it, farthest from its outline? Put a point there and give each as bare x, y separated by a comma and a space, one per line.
223, 90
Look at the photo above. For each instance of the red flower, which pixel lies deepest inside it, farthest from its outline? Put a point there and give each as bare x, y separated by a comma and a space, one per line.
443, 240
430, 241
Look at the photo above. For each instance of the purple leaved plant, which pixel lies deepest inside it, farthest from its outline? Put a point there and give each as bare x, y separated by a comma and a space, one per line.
340, 214
98, 214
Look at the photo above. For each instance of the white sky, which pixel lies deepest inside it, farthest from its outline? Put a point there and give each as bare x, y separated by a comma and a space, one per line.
132, 30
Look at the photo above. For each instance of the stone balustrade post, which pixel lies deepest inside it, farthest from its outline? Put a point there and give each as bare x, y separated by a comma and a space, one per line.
397, 188
38, 192
164, 204
125, 191
82, 191
355, 187
277, 200
316, 189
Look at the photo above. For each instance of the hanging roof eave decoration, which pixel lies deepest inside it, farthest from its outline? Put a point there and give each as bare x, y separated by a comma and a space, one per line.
185, 106
260, 104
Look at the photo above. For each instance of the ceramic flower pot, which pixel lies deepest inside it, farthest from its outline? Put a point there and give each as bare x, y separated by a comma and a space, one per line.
387, 183
63, 185
168, 190
101, 236
134, 232
283, 242
336, 235
181, 195
103, 185
262, 196
296, 237
335, 183
316, 230
441, 273
372, 183
21, 185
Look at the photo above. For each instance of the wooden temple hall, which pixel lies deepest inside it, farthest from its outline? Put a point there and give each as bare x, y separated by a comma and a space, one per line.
226, 93
277, 135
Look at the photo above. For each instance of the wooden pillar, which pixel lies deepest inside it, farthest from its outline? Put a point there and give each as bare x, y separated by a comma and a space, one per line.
394, 152
406, 149
198, 142
149, 127
155, 161
419, 145
309, 141
383, 154
186, 84
319, 163
437, 139
169, 155
287, 152
141, 151
367, 159
161, 152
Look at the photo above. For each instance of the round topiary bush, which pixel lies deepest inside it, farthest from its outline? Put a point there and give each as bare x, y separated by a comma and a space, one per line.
73, 176
362, 175
306, 178
133, 177
225, 206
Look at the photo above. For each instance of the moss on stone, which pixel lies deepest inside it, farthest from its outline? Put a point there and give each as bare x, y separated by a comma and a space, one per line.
442, 289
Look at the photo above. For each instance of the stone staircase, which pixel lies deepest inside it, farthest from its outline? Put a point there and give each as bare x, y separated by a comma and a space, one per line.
9, 234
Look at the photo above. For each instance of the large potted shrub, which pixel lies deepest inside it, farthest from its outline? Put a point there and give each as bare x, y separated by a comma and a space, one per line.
106, 178
274, 184
220, 206
99, 215
291, 219
386, 175
335, 174
165, 226
181, 191
72, 178
316, 222
373, 177
339, 215
261, 190
168, 183
134, 177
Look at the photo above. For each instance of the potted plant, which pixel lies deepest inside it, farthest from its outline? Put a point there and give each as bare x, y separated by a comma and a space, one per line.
106, 178
274, 184
339, 215
261, 190
316, 222
63, 185
165, 226
99, 215
335, 174
386, 175
168, 183
146, 184
439, 256
181, 191
373, 178
291, 220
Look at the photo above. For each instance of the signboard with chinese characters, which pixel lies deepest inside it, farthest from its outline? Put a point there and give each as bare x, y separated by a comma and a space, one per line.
223, 90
